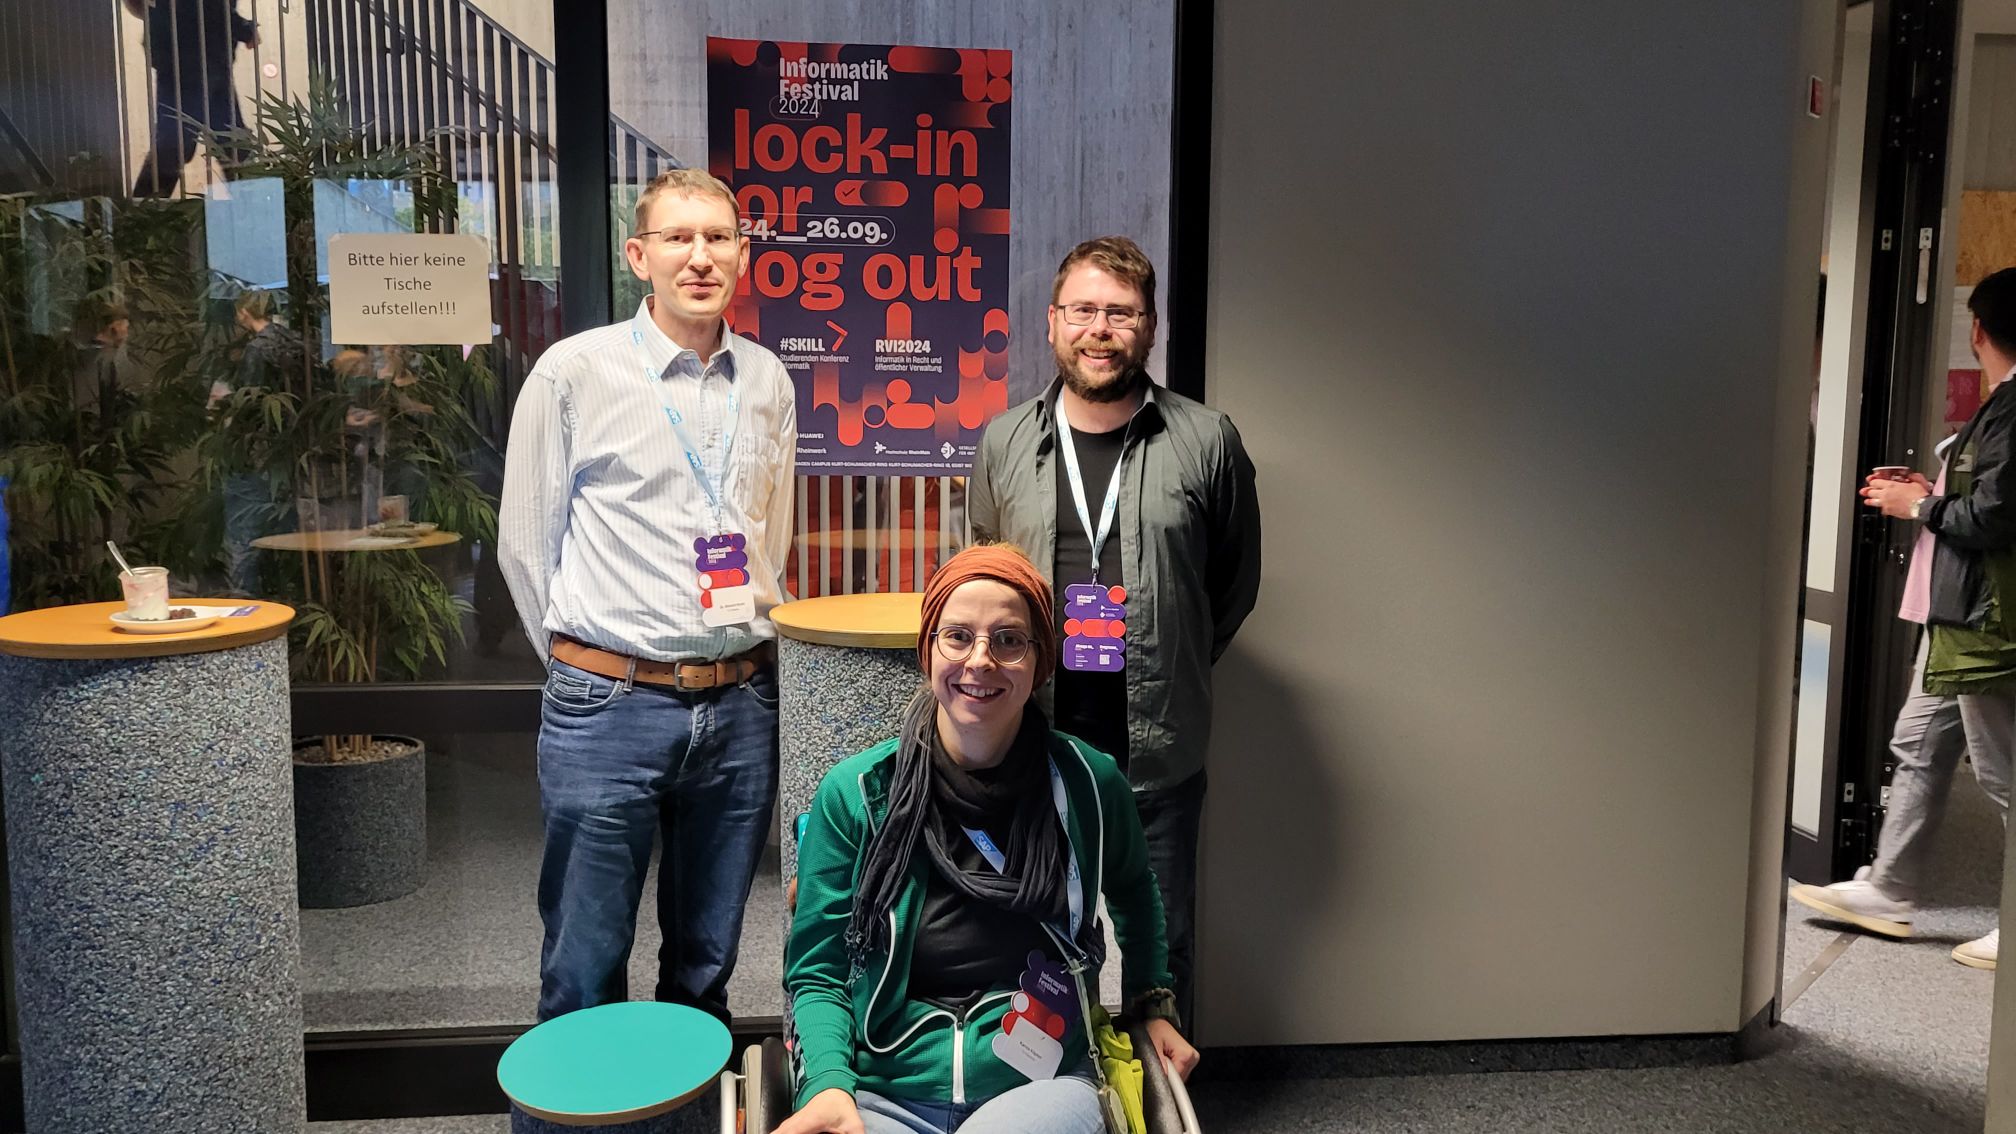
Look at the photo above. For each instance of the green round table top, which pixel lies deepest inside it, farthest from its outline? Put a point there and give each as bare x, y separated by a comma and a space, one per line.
614, 1063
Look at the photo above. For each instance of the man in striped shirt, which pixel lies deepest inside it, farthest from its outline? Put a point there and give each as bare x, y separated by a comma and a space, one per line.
645, 521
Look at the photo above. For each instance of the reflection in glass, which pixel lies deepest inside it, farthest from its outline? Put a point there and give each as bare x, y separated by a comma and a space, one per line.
245, 232
358, 205
169, 383
54, 274
101, 307
1809, 748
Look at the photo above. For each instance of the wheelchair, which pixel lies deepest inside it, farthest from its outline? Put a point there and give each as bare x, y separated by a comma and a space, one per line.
755, 1099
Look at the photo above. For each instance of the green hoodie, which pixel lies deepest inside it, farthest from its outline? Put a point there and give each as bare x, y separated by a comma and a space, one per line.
864, 1030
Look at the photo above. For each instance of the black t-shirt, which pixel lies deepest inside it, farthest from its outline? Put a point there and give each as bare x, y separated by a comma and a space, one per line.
1090, 706
966, 947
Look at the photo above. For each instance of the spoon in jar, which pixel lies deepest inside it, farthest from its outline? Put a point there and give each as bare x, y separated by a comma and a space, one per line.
118, 558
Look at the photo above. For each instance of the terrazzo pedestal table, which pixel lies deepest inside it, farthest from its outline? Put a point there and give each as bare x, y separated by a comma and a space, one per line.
150, 844
630, 1067
846, 666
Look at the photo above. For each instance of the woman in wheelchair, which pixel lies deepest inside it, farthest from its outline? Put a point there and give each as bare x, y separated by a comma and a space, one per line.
944, 956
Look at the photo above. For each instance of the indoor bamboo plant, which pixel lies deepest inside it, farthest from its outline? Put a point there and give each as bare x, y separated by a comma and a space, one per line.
94, 427
319, 432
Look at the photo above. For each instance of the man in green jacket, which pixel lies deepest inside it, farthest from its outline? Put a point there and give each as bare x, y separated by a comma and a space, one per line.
1969, 597
1141, 504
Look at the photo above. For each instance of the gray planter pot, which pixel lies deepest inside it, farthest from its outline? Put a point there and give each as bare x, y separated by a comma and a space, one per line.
360, 829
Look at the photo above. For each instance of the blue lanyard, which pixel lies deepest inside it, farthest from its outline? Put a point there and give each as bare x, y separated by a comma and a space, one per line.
656, 380
1111, 507
1074, 886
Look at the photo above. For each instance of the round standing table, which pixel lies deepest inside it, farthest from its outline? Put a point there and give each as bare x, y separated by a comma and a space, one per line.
615, 1067
150, 845
361, 827
353, 539
846, 666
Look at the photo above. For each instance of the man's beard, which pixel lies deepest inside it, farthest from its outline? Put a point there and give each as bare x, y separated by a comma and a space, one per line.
1127, 378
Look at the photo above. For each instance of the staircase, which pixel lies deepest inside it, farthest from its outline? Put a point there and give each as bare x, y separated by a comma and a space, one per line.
445, 71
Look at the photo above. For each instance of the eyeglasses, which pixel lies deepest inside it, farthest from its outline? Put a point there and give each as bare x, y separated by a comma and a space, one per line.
716, 239
1007, 646
1118, 318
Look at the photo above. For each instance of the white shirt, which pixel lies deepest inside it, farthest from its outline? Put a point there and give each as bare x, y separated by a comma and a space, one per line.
601, 507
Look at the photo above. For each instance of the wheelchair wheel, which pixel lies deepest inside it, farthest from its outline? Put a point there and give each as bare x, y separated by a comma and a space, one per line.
1165, 1101
778, 1086
766, 1087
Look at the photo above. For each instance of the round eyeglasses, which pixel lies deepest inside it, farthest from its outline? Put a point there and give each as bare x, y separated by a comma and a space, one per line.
1006, 646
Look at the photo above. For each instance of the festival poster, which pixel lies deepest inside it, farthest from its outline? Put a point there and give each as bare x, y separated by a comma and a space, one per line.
873, 182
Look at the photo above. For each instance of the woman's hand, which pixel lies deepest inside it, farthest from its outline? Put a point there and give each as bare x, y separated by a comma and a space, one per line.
831, 1111
1171, 1045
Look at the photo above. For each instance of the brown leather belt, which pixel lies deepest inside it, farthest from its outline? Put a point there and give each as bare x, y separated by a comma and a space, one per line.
687, 676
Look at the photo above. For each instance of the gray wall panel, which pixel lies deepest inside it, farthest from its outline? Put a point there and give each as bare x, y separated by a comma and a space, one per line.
1991, 115
1513, 307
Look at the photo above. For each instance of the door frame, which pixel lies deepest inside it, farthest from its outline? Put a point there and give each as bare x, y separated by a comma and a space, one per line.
1904, 172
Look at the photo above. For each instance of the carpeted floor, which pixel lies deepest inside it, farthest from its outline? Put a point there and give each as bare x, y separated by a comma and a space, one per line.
463, 950
1891, 1036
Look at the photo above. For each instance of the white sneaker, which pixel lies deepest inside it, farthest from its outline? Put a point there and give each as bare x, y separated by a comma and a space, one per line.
1859, 903
1979, 954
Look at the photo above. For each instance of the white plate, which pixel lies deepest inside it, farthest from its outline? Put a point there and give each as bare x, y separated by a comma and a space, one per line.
164, 625
379, 542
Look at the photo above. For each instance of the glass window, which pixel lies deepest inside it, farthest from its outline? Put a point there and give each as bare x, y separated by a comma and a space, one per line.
173, 382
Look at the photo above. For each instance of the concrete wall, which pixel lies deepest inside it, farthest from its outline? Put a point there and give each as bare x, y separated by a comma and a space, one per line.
1515, 310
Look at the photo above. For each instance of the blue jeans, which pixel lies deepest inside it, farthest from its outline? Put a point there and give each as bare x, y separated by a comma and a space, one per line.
247, 504
619, 764
1065, 1105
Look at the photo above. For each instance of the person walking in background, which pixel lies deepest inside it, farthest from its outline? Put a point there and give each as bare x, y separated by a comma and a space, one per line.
190, 45
98, 382
270, 353
1962, 585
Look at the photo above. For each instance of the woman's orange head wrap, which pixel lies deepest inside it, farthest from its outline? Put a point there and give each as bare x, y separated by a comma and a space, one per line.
1001, 563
